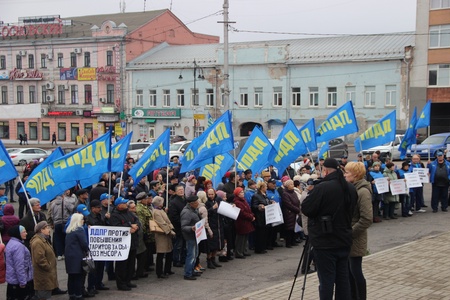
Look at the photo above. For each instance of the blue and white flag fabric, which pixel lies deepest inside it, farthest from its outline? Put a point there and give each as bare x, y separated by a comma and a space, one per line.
323, 150
216, 140
410, 136
287, 147
210, 120
424, 117
155, 157
308, 134
380, 133
7, 169
215, 170
339, 123
255, 153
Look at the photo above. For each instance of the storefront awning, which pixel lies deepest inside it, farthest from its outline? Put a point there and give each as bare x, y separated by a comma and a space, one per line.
151, 121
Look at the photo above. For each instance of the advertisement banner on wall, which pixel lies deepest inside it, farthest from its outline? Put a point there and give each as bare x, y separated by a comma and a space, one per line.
68, 74
85, 74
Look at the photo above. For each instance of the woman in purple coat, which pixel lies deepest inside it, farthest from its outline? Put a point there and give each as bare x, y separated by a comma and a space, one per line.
243, 223
290, 206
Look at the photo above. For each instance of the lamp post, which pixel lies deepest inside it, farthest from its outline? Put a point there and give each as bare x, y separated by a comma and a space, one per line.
194, 103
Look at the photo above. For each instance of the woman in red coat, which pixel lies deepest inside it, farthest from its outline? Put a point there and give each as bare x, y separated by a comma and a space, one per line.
291, 208
243, 223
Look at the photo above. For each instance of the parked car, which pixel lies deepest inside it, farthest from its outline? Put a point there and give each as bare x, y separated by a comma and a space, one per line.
389, 149
21, 157
177, 149
337, 148
135, 148
430, 146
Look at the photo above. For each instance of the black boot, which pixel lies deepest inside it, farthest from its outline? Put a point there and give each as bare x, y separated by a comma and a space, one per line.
210, 265
213, 260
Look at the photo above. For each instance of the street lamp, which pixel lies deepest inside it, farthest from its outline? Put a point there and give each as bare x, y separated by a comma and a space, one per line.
194, 100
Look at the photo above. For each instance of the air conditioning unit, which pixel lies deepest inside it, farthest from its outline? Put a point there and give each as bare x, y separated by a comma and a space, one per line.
44, 111
22, 53
77, 50
66, 86
50, 56
102, 100
50, 98
50, 85
79, 112
176, 124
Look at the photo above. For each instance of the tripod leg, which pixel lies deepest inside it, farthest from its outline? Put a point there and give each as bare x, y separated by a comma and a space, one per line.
307, 266
298, 268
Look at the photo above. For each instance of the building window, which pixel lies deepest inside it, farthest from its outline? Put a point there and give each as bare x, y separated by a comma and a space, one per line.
74, 131
110, 93
243, 97
180, 98
277, 96
4, 95
73, 60
19, 94
296, 96
139, 98
88, 131
439, 36
210, 97
74, 94
258, 97
437, 4
61, 131
166, 99
198, 130
142, 131
2, 62
172, 130
87, 94
332, 97
32, 94
30, 61
350, 94
4, 130
33, 131
314, 96
222, 97
44, 94
439, 75
18, 62
194, 97
391, 95
43, 61
109, 58
369, 96
61, 94
20, 129
45, 131
60, 60
87, 59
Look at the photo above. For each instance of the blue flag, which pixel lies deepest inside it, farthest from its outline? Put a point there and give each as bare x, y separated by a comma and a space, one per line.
424, 118
380, 133
308, 135
410, 135
288, 146
323, 152
255, 153
210, 120
340, 122
216, 140
215, 170
118, 157
7, 169
155, 157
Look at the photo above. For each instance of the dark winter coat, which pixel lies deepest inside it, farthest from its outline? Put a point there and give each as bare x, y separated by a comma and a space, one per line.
189, 216
260, 215
290, 208
124, 218
9, 220
216, 223
176, 205
28, 222
76, 249
243, 223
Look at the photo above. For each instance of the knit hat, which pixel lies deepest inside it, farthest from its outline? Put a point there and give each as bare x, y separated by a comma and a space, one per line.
377, 163
81, 192
95, 203
237, 191
285, 178
190, 178
39, 226
331, 163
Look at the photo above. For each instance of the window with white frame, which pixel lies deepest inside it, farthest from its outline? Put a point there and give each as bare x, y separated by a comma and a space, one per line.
110, 93
43, 61
296, 96
222, 97
73, 60
437, 4
314, 96
172, 130
439, 36
60, 60
19, 94
180, 98
87, 59
369, 96
199, 130
350, 94
109, 58
391, 95
152, 98
139, 98
332, 97
258, 97
18, 62
30, 61
32, 94
87, 94
4, 95
74, 94
61, 94
2, 62
439, 75
278, 96
194, 97
44, 93
166, 99
210, 97
243, 97
142, 130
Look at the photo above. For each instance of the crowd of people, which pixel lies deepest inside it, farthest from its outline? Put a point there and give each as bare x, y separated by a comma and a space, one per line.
330, 204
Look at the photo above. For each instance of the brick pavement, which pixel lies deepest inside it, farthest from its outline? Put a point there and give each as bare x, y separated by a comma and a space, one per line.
417, 270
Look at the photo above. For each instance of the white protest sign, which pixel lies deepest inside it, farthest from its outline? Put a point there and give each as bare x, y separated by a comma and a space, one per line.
382, 185
109, 243
281, 216
413, 180
228, 210
423, 174
200, 232
398, 187
272, 214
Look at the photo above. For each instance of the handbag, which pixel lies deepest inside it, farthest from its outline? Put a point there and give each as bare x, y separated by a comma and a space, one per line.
154, 227
88, 263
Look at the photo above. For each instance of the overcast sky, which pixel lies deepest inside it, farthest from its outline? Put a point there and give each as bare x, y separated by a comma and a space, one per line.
266, 17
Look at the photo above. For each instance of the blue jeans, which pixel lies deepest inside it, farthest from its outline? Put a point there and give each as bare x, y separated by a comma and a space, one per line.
191, 256
439, 194
332, 269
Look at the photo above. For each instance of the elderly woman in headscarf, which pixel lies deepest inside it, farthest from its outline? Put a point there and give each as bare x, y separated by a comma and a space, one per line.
19, 270
290, 208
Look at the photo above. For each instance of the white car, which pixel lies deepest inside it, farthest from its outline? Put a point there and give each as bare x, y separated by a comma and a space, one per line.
22, 156
388, 149
135, 148
177, 149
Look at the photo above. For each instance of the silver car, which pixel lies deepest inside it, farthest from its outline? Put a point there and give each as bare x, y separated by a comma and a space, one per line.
22, 156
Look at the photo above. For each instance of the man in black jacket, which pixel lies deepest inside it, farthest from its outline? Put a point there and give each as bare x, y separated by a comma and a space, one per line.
329, 208
176, 205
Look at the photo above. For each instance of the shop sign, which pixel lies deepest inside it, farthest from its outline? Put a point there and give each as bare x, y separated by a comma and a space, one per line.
157, 113
68, 74
61, 113
32, 30
103, 110
4, 74
23, 74
108, 118
87, 74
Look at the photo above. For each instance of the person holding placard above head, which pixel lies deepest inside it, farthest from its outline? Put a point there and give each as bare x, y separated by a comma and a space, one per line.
440, 181
390, 200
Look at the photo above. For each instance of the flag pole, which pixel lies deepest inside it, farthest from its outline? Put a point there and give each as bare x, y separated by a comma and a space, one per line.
120, 184
28, 199
214, 172
109, 165
167, 186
